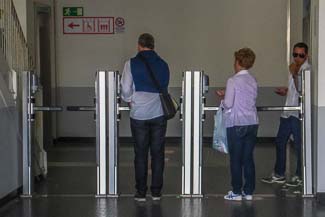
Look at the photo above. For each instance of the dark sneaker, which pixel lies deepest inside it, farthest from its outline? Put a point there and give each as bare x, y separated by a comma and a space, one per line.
156, 196
140, 197
294, 182
274, 179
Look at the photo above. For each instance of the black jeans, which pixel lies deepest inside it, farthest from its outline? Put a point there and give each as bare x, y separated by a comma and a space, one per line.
241, 144
288, 126
149, 134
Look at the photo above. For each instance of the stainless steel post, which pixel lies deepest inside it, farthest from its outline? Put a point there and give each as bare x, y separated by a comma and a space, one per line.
101, 135
112, 106
197, 132
186, 117
27, 103
307, 150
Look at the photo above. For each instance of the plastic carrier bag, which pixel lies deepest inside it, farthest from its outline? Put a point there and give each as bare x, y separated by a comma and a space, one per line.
220, 133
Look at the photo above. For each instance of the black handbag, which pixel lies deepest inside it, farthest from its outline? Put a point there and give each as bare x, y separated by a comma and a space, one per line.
168, 103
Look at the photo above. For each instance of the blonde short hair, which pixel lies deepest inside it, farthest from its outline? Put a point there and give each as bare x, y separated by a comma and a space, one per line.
245, 57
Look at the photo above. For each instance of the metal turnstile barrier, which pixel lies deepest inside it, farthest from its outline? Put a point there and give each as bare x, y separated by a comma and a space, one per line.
186, 118
107, 115
114, 110
29, 88
304, 110
108, 110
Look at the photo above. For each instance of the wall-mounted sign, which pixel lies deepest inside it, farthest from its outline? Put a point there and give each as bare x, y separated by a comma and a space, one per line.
119, 25
88, 25
73, 11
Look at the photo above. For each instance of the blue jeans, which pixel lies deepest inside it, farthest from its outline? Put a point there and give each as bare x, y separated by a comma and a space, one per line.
287, 127
241, 144
149, 134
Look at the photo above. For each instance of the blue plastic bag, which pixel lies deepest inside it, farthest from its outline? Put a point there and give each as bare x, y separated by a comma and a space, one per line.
220, 133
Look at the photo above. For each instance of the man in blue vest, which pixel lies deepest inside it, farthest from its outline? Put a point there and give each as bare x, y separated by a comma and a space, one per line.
148, 124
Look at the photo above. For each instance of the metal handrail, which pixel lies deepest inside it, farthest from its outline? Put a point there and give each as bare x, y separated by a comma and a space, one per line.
262, 108
45, 108
12, 40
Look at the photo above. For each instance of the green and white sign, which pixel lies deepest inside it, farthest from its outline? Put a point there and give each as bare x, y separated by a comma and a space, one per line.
73, 11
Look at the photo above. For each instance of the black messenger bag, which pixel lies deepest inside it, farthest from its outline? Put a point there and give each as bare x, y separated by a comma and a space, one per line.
168, 103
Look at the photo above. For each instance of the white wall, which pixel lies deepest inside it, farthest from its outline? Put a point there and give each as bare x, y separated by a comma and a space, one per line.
318, 24
321, 54
189, 34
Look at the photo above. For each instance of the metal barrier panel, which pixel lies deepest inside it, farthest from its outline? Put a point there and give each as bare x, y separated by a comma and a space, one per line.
307, 148
101, 96
186, 111
27, 128
112, 107
30, 85
197, 132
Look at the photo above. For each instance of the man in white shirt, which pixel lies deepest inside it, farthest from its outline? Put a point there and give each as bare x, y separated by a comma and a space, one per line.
289, 121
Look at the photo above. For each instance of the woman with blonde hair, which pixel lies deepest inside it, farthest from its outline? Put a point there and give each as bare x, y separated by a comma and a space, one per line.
241, 120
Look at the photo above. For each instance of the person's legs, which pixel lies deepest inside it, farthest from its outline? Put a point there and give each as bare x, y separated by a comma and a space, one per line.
140, 133
157, 151
296, 132
248, 159
235, 152
281, 142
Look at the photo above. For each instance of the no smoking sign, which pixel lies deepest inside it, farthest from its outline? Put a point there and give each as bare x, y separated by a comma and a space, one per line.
119, 21
119, 25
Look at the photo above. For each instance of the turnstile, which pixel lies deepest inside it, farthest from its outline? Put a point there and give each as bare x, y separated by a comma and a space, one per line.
107, 114
29, 88
304, 109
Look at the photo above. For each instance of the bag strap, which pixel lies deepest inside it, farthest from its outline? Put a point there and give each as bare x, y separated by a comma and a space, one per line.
153, 78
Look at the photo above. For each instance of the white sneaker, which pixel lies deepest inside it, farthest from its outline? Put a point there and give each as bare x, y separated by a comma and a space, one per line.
232, 196
247, 196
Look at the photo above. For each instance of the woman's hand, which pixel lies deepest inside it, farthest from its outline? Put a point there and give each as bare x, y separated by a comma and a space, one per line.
220, 93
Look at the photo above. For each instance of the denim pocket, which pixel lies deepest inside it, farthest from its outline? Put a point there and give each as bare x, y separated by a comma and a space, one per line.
241, 131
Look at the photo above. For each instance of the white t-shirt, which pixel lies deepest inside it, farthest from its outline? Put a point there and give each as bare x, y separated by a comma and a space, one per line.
292, 94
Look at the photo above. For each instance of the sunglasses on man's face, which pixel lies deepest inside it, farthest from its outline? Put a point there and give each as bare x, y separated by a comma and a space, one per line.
300, 55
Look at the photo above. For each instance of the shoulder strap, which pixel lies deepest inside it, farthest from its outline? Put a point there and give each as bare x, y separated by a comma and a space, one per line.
153, 78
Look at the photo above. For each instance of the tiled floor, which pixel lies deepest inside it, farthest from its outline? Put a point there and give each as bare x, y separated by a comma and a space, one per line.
68, 190
167, 207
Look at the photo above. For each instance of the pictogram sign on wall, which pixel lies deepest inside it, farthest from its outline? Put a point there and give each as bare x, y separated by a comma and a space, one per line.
88, 25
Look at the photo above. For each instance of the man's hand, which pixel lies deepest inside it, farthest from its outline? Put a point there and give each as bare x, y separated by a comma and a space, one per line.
220, 94
282, 91
294, 68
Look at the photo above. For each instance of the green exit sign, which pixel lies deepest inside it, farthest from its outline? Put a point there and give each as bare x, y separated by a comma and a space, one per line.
73, 11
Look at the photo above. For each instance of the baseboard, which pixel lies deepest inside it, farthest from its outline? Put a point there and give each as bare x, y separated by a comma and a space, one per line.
11, 196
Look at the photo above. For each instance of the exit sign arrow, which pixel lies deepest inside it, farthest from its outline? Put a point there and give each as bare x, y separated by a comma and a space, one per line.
72, 25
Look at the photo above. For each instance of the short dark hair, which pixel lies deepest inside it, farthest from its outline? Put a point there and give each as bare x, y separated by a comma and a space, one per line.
146, 40
301, 45
245, 57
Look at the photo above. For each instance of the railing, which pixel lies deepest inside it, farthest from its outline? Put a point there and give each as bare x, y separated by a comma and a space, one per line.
12, 40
